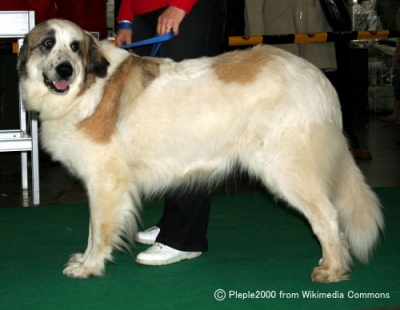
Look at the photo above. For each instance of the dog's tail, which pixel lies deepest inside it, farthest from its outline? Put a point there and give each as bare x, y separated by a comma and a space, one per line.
359, 210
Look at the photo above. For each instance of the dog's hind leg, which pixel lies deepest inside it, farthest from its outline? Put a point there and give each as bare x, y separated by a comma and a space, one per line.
323, 218
111, 215
311, 200
294, 168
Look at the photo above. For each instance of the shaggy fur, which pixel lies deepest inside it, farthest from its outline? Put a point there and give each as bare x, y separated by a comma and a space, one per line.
130, 127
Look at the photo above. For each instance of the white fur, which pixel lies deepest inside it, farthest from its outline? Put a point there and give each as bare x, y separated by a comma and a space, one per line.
283, 125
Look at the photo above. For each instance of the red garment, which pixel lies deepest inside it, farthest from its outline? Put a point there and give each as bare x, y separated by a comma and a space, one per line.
44, 9
129, 8
88, 14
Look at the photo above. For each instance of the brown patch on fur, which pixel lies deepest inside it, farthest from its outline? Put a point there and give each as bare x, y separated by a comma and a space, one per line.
240, 66
132, 76
31, 41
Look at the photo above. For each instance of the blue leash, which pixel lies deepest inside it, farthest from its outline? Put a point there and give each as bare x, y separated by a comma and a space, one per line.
155, 40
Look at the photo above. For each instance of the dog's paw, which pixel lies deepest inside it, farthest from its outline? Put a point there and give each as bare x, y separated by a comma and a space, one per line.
78, 269
324, 274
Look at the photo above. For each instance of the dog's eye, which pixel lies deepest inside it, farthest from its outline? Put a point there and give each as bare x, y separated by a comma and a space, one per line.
49, 43
75, 46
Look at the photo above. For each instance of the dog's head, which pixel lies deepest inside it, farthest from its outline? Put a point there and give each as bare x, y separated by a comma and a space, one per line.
60, 59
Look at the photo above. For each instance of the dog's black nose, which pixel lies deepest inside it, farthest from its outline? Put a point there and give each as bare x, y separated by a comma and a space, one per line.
64, 70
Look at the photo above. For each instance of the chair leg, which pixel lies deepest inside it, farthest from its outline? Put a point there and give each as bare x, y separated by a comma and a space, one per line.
24, 170
35, 160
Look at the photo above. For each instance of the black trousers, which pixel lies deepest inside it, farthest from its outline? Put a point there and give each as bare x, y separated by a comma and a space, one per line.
185, 219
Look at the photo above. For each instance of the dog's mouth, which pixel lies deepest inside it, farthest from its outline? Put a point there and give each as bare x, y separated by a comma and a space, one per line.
59, 87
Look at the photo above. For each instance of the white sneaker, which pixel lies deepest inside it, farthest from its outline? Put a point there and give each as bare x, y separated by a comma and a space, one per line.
148, 236
161, 254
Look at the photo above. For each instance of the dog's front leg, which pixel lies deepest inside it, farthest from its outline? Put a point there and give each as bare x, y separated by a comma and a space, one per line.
79, 258
110, 212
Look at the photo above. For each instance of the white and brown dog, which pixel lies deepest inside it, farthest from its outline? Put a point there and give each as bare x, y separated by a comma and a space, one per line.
131, 126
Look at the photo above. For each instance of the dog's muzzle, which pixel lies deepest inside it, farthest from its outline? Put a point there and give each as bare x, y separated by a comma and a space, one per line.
64, 73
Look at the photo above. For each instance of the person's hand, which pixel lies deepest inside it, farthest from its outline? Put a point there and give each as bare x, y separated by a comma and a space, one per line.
124, 36
170, 19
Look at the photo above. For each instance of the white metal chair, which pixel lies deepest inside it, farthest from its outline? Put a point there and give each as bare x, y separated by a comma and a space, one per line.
14, 25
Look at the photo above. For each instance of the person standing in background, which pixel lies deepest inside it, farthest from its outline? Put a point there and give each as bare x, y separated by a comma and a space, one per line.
268, 17
394, 117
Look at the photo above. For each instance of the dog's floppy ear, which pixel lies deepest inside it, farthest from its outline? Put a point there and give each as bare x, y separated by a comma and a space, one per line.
95, 62
23, 57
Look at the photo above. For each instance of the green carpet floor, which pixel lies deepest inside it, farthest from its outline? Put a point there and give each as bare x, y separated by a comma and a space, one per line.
257, 246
